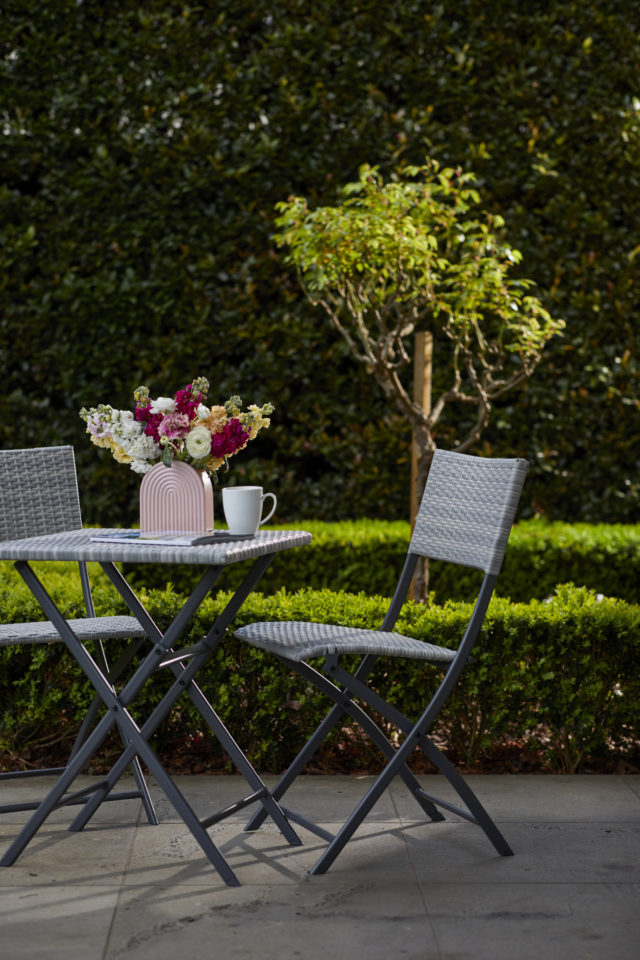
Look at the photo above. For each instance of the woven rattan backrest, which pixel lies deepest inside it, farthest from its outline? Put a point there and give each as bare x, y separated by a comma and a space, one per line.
467, 509
38, 492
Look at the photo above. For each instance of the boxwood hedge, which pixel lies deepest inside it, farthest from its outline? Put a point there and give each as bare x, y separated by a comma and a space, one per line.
560, 677
367, 556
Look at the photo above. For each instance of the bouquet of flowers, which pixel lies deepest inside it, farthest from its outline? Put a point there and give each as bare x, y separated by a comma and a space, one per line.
181, 427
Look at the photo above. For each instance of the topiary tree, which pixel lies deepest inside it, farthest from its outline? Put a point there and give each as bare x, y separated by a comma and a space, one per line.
418, 252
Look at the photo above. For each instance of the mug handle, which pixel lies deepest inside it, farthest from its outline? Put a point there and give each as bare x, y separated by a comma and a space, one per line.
273, 508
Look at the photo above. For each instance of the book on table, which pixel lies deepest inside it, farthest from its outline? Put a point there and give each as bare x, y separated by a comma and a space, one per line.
175, 538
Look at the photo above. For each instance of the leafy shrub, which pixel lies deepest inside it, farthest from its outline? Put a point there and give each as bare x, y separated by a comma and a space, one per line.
367, 556
143, 150
562, 676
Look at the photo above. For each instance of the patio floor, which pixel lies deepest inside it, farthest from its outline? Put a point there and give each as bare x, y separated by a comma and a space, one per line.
401, 889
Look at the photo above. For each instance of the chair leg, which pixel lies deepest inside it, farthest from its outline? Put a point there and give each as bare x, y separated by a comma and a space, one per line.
477, 814
363, 808
344, 705
298, 764
55, 795
475, 811
464, 791
480, 816
376, 735
396, 766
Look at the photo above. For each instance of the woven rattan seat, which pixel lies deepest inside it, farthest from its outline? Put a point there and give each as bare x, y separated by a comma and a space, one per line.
85, 629
299, 640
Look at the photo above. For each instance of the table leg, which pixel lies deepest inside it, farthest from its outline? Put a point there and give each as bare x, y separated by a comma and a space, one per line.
136, 739
185, 683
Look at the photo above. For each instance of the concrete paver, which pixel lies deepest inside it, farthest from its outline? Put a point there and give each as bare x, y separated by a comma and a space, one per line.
402, 888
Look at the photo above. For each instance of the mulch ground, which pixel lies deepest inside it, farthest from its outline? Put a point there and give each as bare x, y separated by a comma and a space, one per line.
353, 755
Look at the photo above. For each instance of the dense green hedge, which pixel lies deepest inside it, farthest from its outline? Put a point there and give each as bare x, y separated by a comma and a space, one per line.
143, 147
561, 677
367, 556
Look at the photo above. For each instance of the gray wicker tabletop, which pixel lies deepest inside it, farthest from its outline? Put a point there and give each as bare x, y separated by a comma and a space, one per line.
78, 545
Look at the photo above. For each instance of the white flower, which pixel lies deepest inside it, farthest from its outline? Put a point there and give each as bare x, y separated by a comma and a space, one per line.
198, 443
128, 427
202, 411
143, 448
163, 405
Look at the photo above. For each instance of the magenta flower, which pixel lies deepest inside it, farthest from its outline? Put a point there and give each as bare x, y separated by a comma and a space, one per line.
231, 438
186, 402
153, 420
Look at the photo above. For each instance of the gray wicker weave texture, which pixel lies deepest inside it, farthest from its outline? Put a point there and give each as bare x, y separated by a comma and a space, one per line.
85, 629
38, 492
39, 496
78, 545
297, 640
468, 508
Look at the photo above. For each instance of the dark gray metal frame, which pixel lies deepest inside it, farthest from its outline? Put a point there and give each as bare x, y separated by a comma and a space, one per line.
184, 665
450, 530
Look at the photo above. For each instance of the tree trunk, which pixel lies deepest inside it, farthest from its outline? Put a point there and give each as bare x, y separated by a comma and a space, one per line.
420, 584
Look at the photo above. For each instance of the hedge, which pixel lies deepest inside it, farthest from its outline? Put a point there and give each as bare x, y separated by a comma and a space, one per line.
144, 146
367, 556
560, 677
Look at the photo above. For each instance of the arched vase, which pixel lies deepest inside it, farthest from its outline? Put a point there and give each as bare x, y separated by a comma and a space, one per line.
176, 499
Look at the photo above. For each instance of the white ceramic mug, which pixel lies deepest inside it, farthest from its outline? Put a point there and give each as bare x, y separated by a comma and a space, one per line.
243, 509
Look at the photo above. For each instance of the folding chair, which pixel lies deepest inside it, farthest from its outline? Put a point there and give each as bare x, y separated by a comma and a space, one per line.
39, 496
465, 517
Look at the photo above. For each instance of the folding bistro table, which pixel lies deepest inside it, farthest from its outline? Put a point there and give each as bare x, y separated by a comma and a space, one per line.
164, 653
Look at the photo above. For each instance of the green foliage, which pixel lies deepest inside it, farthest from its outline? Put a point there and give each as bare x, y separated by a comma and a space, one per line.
391, 254
603, 557
417, 252
144, 146
367, 556
561, 675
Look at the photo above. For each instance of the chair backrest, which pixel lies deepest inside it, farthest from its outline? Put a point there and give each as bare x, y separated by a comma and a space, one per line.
467, 510
38, 492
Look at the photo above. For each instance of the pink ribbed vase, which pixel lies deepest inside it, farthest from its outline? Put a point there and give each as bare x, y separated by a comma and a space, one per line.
176, 499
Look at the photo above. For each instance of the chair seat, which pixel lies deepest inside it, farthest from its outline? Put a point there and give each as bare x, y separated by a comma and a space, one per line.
299, 640
88, 628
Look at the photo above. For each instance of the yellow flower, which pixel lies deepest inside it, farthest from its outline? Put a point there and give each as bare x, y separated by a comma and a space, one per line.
99, 441
118, 453
253, 421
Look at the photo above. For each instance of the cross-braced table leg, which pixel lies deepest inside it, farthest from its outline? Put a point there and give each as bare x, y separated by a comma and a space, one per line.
197, 656
136, 737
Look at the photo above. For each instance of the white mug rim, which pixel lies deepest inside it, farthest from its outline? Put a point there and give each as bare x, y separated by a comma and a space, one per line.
226, 489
